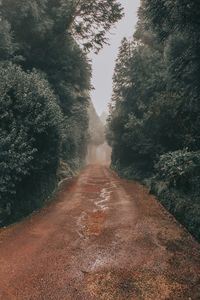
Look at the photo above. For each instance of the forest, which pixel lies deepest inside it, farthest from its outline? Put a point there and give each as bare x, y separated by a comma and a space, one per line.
75, 221
47, 118
154, 120
45, 94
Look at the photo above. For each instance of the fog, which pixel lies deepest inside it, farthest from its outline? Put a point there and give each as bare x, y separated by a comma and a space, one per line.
104, 63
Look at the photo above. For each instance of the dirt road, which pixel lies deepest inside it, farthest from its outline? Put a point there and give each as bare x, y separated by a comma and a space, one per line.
103, 238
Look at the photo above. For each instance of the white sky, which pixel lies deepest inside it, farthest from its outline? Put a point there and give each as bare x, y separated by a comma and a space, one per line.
104, 63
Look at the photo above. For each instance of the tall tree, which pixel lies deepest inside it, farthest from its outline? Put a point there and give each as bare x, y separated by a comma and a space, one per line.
46, 37
154, 122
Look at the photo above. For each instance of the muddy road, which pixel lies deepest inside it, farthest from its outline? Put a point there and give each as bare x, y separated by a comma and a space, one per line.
103, 238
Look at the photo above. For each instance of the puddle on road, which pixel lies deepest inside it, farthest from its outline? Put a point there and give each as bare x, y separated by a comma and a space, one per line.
103, 200
81, 225
91, 223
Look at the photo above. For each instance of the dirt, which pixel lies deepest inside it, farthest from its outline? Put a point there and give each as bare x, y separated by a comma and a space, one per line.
103, 238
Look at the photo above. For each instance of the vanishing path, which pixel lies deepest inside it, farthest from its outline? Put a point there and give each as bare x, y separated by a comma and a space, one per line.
103, 238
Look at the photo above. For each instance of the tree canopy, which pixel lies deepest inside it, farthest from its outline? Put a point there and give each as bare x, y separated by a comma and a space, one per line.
154, 120
45, 93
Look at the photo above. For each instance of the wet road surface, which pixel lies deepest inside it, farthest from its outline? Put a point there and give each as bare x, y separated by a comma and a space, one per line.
103, 238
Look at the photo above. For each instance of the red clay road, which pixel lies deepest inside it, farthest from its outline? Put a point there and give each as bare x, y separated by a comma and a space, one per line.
103, 238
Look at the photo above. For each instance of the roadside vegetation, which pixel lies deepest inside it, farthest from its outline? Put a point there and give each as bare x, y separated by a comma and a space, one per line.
44, 94
96, 127
154, 121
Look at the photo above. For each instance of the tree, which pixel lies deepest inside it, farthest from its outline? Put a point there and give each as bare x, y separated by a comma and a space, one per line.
88, 21
47, 43
154, 121
43, 37
30, 133
91, 20
96, 127
136, 78
7, 47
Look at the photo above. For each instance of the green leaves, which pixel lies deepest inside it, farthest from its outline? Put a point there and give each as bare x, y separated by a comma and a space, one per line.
96, 128
91, 20
154, 122
155, 102
28, 112
6, 40
44, 102
177, 165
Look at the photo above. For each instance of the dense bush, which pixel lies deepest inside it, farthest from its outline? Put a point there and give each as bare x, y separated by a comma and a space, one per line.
178, 167
30, 131
177, 184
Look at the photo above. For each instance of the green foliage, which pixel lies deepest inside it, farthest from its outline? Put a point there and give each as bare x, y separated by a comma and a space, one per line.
47, 42
42, 21
134, 119
91, 20
156, 105
7, 47
96, 128
184, 204
74, 145
44, 95
177, 166
30, 129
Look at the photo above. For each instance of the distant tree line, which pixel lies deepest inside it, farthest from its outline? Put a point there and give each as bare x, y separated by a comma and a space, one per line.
44, 93
154, 124
96, 127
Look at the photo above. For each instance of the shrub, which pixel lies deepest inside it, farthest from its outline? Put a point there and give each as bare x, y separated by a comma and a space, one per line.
177, 167
29, 136
177, 186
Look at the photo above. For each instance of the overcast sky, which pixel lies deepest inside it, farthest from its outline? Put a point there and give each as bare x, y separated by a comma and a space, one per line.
103, 63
